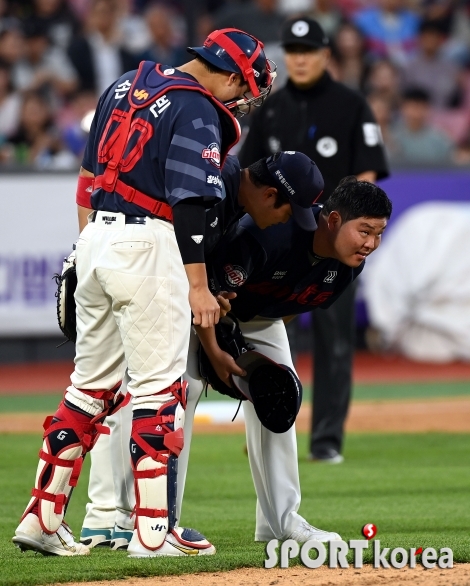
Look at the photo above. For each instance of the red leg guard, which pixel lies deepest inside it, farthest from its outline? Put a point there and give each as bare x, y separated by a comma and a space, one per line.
69, 434
157, 440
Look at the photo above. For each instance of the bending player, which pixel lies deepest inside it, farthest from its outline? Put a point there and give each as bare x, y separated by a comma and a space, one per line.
284, 271
152, 165
108, 520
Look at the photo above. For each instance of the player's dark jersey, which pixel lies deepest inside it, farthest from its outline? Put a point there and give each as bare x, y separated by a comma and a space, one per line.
274, 271
225, 213
175, 142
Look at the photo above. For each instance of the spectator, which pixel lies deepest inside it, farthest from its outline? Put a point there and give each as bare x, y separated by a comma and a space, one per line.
11, 45
430, 70
165, 48
10, 104
98, 56
384, 79
36, 141
259, 18
43, 66
326, 13
390, 30
74, 129
57, 20
349, 52
382, 112
7, 21
439, 12
414, 139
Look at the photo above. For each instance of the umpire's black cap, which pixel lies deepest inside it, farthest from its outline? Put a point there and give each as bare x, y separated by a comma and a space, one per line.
303, 31
297, 176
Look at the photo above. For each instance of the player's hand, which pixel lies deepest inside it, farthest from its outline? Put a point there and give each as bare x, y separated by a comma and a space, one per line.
204, 306
224, 366
223, 299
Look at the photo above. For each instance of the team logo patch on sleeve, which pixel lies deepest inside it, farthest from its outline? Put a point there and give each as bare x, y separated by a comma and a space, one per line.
214, 180
212, 154
235, 275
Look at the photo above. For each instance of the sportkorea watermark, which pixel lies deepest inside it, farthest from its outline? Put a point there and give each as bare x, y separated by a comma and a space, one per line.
279, 553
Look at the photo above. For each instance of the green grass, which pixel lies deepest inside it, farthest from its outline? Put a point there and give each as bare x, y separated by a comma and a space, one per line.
413, 487
425, 390
363, 392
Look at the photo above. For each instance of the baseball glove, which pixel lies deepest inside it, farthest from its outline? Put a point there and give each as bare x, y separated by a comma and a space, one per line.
66, 285
274, 389
230, 339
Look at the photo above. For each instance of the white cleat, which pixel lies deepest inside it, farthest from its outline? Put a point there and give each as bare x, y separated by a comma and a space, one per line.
305, 532
29, 535
178, 542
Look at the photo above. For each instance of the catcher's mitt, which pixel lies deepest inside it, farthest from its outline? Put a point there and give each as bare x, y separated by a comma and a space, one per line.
230, 339
274, 389
66, 285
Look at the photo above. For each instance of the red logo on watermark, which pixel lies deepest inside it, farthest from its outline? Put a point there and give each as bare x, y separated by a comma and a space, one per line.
369, 531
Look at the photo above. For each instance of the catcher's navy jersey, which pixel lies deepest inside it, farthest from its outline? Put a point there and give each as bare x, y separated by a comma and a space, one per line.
174, 149
222, 216
274, 271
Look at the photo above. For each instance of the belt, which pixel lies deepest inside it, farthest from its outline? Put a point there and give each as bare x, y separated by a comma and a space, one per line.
129, 219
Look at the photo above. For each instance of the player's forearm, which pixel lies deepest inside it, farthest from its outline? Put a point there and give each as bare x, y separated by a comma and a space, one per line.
208, 340
85, 179
197, 277
83, 214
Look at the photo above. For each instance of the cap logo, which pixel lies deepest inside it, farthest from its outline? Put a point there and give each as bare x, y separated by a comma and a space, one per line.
300, 28
282, 180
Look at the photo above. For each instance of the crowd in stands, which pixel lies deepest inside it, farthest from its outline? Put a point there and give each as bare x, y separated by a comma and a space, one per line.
411, 58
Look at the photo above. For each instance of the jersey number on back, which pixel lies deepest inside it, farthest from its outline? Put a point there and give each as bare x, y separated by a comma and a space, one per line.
140, 133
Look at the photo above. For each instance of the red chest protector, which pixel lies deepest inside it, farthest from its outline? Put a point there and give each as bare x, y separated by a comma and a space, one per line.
148, 86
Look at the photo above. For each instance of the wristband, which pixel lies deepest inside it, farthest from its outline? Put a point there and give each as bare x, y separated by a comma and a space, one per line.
84, 191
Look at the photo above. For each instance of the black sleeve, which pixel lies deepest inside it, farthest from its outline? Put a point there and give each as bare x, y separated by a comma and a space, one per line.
189, 220
367, 148
252, 148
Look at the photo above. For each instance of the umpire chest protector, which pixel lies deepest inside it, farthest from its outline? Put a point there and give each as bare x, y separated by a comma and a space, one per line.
125, 135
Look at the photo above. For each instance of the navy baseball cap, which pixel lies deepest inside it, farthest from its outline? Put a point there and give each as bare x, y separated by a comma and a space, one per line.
300, 180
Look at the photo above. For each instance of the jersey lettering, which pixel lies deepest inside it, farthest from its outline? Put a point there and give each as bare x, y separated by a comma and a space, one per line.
122, 89
141, 131
160, 106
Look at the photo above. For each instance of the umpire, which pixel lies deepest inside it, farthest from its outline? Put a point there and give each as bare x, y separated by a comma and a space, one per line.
334, 126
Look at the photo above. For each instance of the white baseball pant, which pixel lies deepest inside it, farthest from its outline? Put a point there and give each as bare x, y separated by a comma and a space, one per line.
132, 307
111, 485
272, 457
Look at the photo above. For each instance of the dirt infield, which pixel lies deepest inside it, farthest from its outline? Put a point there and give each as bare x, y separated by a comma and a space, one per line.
459, 575
445, 415
53, 377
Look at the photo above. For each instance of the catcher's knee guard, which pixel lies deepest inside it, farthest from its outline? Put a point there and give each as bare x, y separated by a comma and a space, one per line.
156, 442
69, 434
